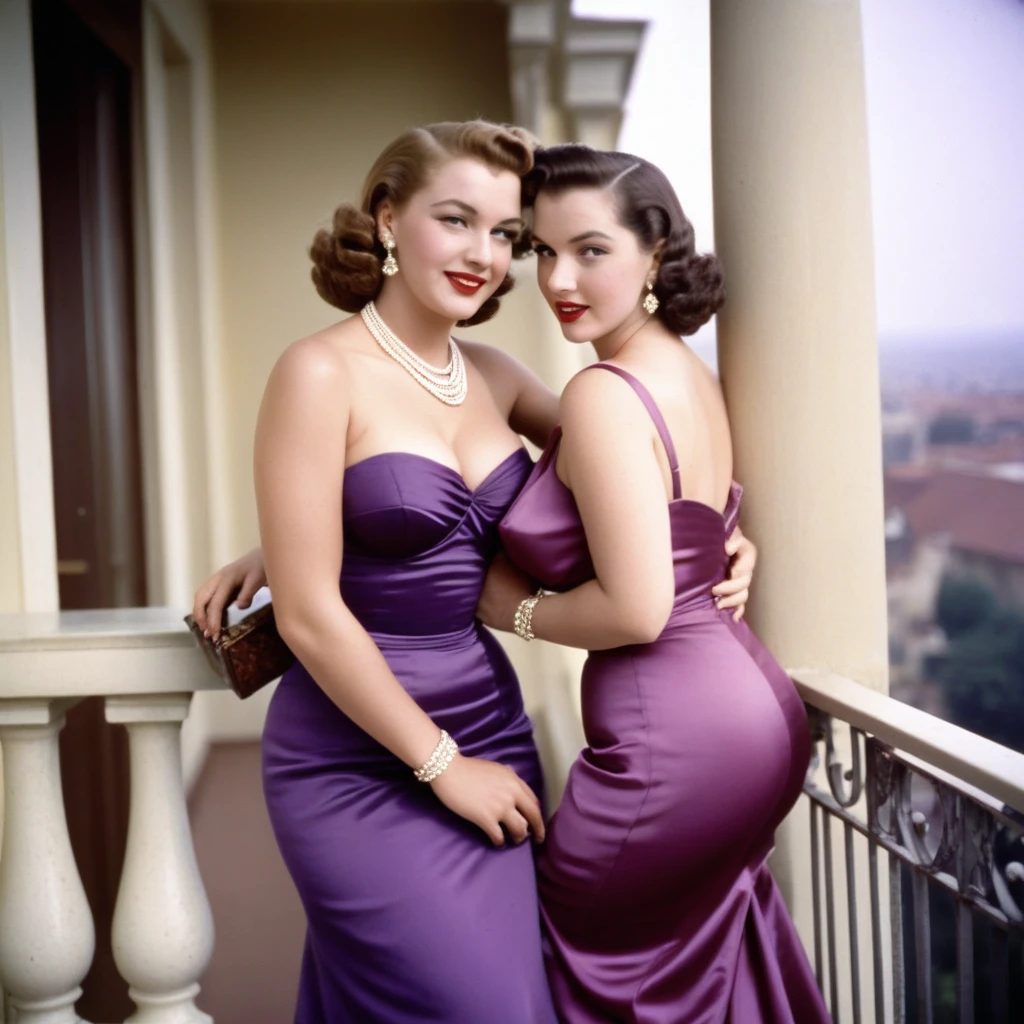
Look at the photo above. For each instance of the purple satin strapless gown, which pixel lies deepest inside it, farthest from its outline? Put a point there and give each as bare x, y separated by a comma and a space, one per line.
656, 900
412, 914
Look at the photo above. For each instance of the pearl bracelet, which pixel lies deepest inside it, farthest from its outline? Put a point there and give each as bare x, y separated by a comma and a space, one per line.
443, 755
522, 623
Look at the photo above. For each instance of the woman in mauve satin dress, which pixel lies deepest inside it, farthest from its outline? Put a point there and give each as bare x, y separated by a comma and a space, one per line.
657, 903
417, 908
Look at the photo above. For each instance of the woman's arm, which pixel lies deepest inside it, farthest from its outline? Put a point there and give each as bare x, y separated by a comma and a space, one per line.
529, 405
610, 460
299, 475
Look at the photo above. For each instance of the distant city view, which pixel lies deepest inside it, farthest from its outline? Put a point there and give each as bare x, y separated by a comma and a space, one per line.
969, 363
953, 454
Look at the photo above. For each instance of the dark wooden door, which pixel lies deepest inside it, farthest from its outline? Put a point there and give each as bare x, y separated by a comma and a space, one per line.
87, 60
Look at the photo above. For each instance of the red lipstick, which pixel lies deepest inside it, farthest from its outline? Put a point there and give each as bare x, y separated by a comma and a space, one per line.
569, 312
466, 284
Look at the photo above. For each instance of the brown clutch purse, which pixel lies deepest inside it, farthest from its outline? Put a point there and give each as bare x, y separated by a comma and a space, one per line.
247, 655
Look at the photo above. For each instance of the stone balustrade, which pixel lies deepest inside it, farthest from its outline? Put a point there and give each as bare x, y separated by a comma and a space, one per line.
143, 662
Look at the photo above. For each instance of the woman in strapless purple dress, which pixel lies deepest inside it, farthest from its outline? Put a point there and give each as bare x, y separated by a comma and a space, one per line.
415, 913
657, 902
384, 458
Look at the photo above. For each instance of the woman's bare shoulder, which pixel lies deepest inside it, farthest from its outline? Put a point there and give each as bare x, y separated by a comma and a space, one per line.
593, 400
325, 356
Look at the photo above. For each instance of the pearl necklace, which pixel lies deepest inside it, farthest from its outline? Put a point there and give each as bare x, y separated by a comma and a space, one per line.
448, 385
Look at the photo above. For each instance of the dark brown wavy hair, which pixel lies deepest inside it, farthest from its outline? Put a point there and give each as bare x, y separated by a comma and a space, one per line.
347, 258
690, 287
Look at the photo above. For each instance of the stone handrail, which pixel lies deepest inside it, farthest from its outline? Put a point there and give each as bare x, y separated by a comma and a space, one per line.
992, 769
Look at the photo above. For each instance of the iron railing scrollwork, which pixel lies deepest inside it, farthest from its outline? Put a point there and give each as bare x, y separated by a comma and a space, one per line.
935, 831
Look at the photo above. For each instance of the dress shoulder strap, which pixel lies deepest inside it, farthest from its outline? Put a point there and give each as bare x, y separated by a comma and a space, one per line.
655, 413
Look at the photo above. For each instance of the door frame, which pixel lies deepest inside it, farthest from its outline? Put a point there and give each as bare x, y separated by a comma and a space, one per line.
183, 536
26, 319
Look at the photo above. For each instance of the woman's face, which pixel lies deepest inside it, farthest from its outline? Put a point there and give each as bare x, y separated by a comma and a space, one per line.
590, 268
453, 238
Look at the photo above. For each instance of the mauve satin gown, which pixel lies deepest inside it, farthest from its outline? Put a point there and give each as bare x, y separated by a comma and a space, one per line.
413, 915
656, 901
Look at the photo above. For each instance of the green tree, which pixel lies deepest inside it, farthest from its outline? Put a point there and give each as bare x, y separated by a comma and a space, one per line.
963, 604
981, 673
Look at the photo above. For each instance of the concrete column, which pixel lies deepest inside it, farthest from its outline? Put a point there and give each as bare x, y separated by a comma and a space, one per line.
797, 351
797, 341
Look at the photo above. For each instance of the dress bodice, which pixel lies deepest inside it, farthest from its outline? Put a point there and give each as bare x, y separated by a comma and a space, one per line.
418, 541
543, 534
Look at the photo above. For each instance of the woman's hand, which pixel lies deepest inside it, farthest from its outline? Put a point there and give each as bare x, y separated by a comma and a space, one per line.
734, 592
491, 796
236, 581
504, 589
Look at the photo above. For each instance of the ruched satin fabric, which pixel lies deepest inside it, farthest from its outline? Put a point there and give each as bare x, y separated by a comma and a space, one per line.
413, 915
657, 903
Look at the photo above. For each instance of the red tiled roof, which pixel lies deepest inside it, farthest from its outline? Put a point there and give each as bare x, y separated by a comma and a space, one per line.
980, 513
905, 482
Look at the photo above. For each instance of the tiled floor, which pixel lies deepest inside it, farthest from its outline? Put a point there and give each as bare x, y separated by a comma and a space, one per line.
253, 976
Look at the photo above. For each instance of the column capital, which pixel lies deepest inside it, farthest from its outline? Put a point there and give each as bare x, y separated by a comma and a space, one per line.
148, 707
26, 711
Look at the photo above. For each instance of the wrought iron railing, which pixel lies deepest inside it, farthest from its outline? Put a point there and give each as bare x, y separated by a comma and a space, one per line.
931, 819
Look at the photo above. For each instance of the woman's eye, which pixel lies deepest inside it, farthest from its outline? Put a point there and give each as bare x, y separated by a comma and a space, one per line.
509, 234
543, 250
453, 219
592, 250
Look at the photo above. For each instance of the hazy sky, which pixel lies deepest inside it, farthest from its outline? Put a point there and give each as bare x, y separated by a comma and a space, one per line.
945, 87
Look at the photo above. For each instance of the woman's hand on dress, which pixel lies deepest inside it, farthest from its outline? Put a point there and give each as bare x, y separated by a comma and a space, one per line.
734, 591
505, 587
491, 795
237, 581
